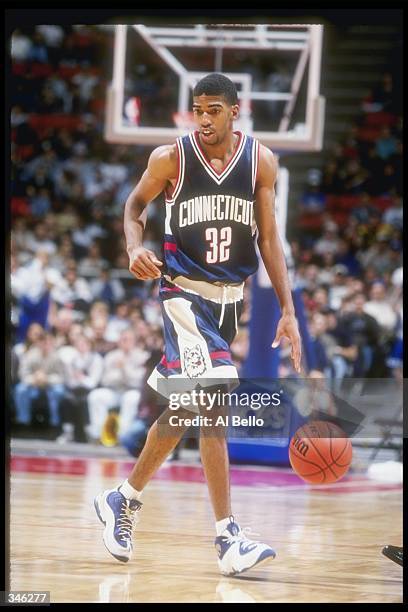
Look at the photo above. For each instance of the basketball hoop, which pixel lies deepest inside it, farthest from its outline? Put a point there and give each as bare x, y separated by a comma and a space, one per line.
304, 67
184, 120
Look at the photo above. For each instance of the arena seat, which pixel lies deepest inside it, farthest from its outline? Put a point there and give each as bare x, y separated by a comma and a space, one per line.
381, 119
42, 123
383, 202
369, 134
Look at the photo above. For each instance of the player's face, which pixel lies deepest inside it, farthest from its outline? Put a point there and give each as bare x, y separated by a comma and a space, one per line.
214, 117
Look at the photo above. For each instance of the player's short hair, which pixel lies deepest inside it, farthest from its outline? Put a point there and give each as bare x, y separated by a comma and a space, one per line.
216, 84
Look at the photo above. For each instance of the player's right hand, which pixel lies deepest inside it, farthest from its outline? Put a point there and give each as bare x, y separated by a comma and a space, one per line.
143, 264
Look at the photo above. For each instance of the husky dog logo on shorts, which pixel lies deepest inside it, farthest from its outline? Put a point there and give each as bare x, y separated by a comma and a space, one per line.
194, 361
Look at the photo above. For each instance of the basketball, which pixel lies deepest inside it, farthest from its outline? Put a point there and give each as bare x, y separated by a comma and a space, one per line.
320, 452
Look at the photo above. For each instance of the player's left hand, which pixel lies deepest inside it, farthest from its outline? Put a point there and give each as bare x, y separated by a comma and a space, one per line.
288, 327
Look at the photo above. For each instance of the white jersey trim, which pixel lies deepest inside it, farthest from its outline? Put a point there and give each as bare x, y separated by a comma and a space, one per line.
179, 184
255, 161
218, 178
181, 171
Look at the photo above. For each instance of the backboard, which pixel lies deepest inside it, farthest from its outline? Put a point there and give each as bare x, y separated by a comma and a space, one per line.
276, 69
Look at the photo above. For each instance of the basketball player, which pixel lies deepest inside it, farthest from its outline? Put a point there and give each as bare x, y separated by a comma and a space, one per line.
219, 191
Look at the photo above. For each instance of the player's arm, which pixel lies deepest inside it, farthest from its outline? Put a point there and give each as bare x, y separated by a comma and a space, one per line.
272, 253
161, 168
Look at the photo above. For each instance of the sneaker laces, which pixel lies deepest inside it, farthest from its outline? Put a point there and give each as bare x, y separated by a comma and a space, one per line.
248, 530
241, 536
127, 521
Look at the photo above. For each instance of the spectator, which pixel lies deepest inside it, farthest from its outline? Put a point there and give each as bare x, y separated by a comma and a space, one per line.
19, 236
345, 256
386, 145
343, 353
380, 309
365, 210
332, 182
352, 145
62, 141
52, 35
397, 279
40, 370
154, 342
64, 254
384, 97
122, 377
151, 308
66, 350
40, 240
81, 238
49, 102
149, 410
83, 371
394, 215
67, 219
329, 242
40, 202
35, 334
338, 289
307, 277
38, 51
316, 328
21, 46
98, 309
30, 286
100, 183
93, 263
319, 300
66, 184
61, 322
395, 357
143, 332
72, 291
326, 274
378, 256
364, 333
97, 332
320, 321
119, 321
313, 200
356, 177
108, 289
86, 81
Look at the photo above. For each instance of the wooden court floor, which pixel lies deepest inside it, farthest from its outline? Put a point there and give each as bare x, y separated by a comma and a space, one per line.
328, 542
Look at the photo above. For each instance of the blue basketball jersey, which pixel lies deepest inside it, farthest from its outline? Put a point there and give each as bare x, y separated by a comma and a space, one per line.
210, 226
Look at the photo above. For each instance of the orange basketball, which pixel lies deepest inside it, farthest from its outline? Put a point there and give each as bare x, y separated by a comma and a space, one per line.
320, 452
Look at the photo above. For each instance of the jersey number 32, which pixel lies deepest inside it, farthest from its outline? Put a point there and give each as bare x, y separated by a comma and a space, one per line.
220, 241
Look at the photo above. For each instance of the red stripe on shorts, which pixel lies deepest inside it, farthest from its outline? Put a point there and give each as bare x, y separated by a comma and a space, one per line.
220, 355
170, 246
170, 364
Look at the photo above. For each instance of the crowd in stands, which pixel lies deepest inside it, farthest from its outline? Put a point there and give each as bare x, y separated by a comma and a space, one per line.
85, 333
347, 244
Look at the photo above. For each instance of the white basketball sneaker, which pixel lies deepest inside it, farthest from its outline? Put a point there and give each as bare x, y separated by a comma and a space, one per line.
118, 514
237, 553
